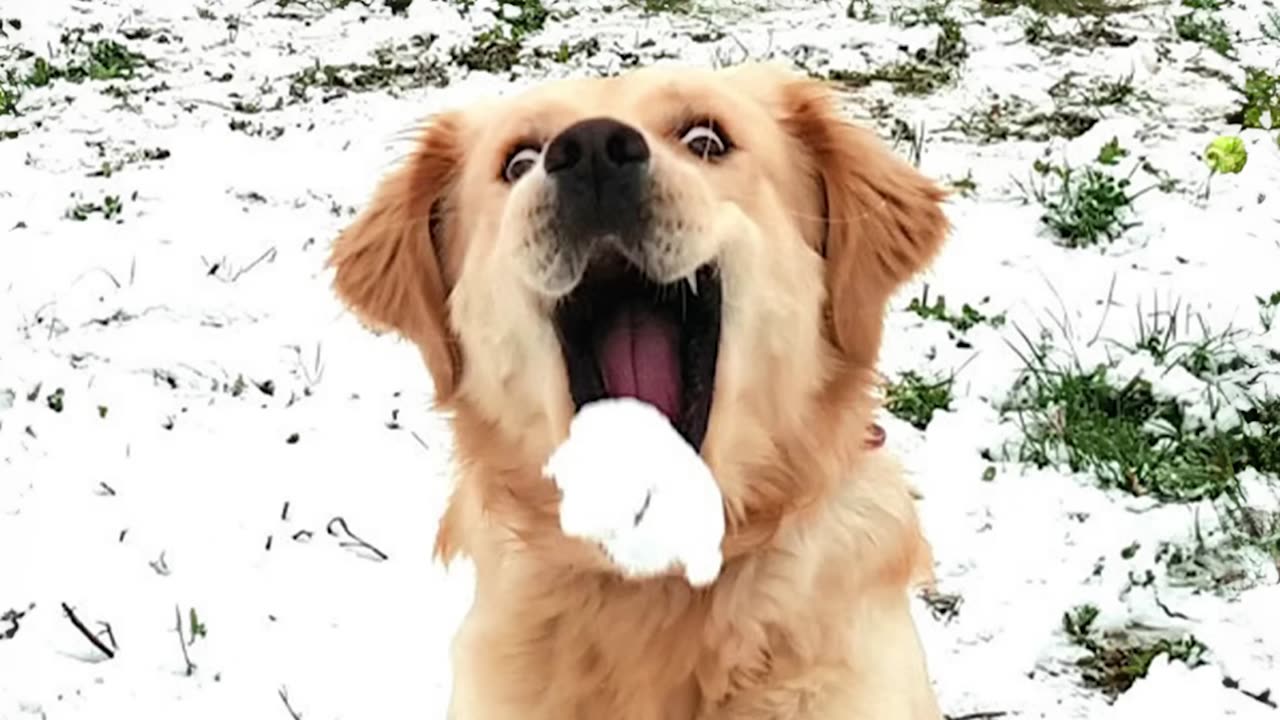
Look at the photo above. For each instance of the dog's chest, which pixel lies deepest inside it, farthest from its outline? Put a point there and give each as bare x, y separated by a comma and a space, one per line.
582, 668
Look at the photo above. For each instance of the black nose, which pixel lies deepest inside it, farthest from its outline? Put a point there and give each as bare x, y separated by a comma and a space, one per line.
596, 149
600, 168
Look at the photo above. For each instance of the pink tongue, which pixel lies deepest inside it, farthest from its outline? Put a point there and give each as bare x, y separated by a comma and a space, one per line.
638, 358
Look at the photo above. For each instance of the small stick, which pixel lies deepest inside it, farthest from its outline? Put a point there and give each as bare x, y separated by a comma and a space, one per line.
988, 715
111, 636
71, 615
284, 697
177, 613
358, 542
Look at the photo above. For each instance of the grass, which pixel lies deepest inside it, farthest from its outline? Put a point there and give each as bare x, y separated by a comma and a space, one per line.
1091, 31
1013, 119
1097, 93
109, 208
85, 59
914, 398
966, 186
1111, 153
1068, 8
660, 6
930, 69
99, 60
109, 168
1085, 207
1261, 99
10, 94
1115, 660
394, 67
1207, 29
1132, 439
1268, 309
397, 7
1270, 26
967, 318
498, 49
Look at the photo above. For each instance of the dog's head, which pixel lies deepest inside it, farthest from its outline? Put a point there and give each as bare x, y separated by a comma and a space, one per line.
719, 243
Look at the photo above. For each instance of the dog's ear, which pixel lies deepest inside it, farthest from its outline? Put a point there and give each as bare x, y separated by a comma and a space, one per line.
884, 219
388, 262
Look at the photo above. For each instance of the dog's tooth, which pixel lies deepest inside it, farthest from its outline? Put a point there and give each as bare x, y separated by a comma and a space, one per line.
693, 283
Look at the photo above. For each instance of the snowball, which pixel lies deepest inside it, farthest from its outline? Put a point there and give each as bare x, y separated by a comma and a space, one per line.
632, 484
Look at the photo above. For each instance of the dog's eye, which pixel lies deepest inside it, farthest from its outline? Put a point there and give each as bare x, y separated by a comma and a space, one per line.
705, 142
520, 162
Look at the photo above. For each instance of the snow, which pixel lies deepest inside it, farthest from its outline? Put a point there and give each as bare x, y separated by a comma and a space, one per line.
632, 484
190, 422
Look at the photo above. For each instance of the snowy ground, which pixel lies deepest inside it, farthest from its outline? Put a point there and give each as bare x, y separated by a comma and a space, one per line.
191, 428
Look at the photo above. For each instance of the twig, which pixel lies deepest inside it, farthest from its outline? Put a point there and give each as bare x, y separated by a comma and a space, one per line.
418, 437
182, 643
159, 565
71, 615
1166, 609
284, 698
988, 715
111, 636
356, 541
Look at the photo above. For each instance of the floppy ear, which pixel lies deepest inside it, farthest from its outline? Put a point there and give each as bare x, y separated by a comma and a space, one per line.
388, 262
884, 220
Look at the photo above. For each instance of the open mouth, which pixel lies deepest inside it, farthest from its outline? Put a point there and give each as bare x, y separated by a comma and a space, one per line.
624, 335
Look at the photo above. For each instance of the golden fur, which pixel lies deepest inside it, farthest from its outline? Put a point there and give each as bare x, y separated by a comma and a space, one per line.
814, 224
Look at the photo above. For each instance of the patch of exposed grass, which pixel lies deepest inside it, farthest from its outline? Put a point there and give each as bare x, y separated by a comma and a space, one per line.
110, 167
1111, 153
1068, 8
1260, 99
1116, 659
1083, 208
1130, 438
1090, 32
96, 60
109, 208
668, 6
400, 66
1013, 119
1095, 93
930, 69
566, 51
914, 398
397, 7
78, 59
1270, 26
907, 78
966, 319
1268, 308
257, 130
498, 49
1203, 27
966, 185
10, 93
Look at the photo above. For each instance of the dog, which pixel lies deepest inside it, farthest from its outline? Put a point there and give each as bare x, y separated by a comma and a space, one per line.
721, 244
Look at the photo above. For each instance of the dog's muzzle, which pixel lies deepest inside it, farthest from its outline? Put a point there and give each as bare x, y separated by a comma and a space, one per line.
600, 170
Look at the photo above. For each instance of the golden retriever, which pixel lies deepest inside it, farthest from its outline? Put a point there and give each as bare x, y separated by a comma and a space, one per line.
723, 245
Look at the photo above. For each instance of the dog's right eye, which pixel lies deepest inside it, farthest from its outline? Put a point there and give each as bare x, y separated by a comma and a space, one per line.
520, 162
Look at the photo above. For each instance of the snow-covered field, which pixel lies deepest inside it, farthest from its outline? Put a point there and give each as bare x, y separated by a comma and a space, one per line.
233, 488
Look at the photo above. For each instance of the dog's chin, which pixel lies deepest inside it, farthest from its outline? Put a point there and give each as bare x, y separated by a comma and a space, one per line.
625, 335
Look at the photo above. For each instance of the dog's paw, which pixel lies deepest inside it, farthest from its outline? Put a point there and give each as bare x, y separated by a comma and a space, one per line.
631, 483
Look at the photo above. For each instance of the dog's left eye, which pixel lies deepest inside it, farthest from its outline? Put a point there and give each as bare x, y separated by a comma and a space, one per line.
520, 162
705, 142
